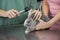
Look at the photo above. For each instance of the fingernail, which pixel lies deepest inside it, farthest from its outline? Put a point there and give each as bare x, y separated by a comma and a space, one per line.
36, 28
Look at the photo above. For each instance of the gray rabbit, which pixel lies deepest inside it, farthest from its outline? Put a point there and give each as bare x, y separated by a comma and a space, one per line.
30, 23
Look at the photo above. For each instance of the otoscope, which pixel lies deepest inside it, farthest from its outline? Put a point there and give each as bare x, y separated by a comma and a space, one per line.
26, 9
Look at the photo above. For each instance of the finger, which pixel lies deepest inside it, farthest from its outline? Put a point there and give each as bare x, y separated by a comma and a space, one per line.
16, 12
36, 28
10, 14
9, 17
13, 13
39, 16
35, 15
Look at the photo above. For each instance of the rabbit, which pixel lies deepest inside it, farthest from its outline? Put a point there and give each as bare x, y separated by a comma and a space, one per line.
30, 23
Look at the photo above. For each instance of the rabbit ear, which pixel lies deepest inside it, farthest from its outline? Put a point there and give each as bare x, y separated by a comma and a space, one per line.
30, 12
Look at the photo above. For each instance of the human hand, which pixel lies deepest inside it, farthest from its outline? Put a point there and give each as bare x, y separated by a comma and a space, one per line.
10, 13
37, 15
42, 25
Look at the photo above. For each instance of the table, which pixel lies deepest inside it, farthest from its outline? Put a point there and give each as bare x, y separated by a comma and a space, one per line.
17, 33
43, 35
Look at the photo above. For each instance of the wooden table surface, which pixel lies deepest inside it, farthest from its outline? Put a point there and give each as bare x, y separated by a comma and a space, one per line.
43, 35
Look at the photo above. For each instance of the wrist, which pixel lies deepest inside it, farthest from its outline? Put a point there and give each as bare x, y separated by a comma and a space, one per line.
49, 23
2, 12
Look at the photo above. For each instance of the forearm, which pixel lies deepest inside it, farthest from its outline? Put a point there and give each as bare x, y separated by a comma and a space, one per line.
1, 11
45, 7
55, 19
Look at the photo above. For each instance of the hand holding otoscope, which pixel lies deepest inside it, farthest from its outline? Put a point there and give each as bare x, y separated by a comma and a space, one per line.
12, 13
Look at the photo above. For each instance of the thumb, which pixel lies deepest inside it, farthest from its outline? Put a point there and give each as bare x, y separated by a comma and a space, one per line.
37, 27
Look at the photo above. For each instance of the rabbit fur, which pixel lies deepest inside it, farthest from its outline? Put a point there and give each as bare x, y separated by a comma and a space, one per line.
30, 23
